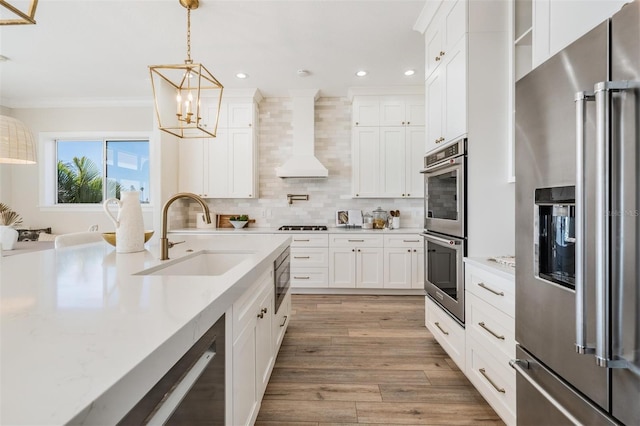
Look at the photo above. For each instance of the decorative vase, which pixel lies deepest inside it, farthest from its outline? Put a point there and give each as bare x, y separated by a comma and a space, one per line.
129, 222
8, 237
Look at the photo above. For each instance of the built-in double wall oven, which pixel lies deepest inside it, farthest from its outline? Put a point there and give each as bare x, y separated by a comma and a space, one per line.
445, 230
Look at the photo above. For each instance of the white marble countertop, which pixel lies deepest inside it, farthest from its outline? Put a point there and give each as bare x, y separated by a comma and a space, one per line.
330, 230
504, 271
83, 339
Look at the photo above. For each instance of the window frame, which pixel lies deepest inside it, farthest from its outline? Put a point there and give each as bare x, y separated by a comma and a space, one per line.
48, 161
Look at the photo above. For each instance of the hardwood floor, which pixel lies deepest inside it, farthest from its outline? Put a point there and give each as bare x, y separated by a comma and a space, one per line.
356, 360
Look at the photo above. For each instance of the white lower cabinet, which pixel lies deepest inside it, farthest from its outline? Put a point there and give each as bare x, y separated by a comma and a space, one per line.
356, 261
490, 337
403, 262
446, 331
257, 335
309, 261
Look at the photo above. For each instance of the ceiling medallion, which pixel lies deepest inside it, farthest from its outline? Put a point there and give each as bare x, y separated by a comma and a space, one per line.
187, 96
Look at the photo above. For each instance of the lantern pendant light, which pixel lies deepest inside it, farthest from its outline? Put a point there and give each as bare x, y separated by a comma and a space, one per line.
187, 96
18, 16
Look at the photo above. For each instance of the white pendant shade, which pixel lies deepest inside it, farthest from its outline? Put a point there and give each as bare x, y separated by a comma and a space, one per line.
16, 142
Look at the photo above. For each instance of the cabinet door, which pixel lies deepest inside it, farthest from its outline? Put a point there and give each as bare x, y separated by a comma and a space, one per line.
415, 143
366, 161
455, 92
417, 268
240, 116
342, 267
192, 172
414, 112
366, 111
369, 267
454, 21
210, 112
264, 342
397, 267
218, 165
241, 164
392, 111
244, 398
391, 172
433, 93
433, 47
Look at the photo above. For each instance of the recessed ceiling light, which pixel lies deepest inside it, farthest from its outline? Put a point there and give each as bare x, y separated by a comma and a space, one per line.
409, 72
361, 73
241, 75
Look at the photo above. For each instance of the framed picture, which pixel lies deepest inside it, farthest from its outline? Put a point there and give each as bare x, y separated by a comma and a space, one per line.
342, 218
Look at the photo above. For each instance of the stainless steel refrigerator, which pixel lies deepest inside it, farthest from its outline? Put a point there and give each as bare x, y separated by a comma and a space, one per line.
577, 231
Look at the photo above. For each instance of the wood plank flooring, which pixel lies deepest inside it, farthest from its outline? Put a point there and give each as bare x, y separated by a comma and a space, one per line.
358, 360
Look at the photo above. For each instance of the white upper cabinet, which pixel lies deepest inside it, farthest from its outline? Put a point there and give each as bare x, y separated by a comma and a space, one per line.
224, 166
449, 25
385, 157
401, 110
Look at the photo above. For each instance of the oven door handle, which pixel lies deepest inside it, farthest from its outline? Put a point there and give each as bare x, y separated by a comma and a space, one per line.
442, 165
441, 240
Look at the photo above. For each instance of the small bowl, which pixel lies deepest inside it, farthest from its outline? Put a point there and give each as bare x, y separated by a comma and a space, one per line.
238, 223
110, 237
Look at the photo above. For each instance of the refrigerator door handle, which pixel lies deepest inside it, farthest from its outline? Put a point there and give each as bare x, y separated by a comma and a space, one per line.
520, 365
582, 347
604, 352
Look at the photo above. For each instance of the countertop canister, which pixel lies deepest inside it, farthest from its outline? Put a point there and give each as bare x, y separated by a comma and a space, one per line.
129, 222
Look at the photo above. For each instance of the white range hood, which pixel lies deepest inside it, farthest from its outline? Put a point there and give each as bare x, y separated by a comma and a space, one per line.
303, 163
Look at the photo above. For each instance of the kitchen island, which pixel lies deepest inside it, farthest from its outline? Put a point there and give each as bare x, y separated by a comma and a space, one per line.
84, 338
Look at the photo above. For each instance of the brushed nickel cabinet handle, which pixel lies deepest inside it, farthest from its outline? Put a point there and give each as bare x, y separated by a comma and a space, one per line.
446, 333
301, 257
497, 293
284, 321
484, 373
261, 315
356, 241
441, 53
301, 278
410, 241
263, 310
496, 335
302, 241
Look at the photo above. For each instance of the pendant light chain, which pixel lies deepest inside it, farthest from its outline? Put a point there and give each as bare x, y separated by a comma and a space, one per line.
189, 36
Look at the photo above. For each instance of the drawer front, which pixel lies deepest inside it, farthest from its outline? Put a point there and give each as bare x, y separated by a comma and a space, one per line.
495, 290
494, 328
302, 257
446, 331
402, 241
494, 379
309, 278
356, 240
246, 308
309, 240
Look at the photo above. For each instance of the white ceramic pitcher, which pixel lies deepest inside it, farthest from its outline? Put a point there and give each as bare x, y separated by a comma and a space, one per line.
129, 223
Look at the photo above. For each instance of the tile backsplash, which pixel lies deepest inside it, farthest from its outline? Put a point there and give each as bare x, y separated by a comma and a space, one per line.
332, 148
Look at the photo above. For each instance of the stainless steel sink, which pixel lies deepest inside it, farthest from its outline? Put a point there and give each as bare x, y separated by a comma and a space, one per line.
206, 262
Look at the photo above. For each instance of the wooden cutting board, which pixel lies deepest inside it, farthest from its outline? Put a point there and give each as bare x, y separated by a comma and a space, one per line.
222, 220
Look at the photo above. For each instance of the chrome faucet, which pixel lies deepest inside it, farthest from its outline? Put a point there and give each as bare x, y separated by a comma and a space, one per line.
165, 244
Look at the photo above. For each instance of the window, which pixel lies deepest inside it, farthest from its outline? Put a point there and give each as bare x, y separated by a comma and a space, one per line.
92, 170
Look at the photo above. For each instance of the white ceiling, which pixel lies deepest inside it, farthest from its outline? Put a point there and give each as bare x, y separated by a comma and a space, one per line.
93, 51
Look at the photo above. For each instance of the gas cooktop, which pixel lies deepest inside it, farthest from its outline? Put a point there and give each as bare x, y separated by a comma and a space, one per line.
302, 228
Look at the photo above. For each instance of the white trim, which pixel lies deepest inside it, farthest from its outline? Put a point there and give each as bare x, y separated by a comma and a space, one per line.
47, 167
384, 91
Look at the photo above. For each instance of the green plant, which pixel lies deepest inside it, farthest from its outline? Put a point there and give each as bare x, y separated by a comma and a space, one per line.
243, 217
81, 182
8, 217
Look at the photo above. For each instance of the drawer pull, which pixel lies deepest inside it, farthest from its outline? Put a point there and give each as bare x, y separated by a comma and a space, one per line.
499, 293
496, 335
410, 241
301, 241
356, 241
300, 278
301, 257
446, 333
284, 321
484, 373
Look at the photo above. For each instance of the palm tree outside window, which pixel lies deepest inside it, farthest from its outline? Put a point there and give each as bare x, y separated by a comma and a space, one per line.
90, 171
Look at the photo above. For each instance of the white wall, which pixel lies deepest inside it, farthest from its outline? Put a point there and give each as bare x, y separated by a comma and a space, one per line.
20, 183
